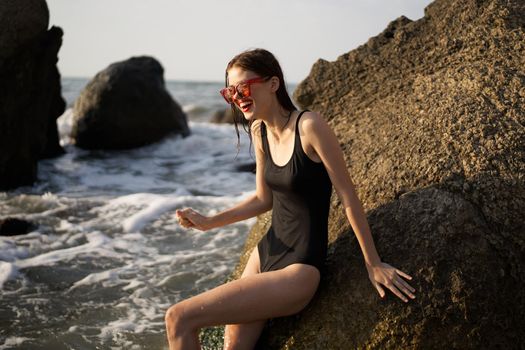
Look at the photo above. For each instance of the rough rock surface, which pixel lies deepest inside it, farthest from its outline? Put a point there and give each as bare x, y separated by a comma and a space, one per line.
21, 21
30, 93
431, 117
125, 106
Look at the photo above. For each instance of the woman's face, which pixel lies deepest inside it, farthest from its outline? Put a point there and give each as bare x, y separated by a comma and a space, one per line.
260, 92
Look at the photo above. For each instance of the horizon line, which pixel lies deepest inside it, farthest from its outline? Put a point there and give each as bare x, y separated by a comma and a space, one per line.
179, 80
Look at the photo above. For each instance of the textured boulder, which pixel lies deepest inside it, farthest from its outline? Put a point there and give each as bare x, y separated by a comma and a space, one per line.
125, 106
431, 117
30, 93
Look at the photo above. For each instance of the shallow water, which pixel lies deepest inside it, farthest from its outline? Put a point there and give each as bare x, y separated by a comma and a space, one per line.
108, 257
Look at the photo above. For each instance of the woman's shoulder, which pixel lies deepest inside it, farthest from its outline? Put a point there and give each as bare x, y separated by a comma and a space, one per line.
310, 121
314, 128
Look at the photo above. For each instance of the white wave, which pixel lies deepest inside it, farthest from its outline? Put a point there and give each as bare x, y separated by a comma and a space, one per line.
153, 210
7, 271
132, 324
65, 125
96, 242
13, 341
203, 161
110, 275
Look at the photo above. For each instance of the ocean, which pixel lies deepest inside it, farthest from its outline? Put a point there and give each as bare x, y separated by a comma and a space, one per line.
108, 256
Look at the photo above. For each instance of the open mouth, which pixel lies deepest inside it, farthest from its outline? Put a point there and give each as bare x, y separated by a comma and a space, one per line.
245, 106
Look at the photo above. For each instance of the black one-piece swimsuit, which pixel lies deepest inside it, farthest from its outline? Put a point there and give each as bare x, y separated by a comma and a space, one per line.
301, 201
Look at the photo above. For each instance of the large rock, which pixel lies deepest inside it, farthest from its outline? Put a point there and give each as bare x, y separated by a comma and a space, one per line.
30, 93
431, 117
126, 105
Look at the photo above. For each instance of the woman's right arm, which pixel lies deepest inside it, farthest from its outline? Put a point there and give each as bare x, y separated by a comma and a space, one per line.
254, 205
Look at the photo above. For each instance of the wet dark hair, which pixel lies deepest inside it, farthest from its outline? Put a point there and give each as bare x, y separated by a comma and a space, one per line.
264, 63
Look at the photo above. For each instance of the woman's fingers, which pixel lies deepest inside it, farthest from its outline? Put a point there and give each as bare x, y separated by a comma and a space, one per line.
380, 290
185, 213
192, 215
398, 282
390, 277
403, 274
403, 282
179, 213
185, 222
184, 216
405, 288
190, 218
396, 291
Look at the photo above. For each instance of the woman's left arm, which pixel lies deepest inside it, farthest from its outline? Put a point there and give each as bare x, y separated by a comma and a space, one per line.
325, 143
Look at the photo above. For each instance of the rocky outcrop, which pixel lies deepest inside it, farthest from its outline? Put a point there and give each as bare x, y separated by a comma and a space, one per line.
125, 106
30, 93
430, 115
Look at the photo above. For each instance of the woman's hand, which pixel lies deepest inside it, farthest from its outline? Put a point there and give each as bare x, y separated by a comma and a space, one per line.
189, 218
391, 278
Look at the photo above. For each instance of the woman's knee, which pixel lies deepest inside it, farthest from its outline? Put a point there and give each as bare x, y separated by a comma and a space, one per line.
177, 319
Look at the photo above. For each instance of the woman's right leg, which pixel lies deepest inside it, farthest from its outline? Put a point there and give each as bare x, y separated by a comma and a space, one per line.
245, 335
250, 299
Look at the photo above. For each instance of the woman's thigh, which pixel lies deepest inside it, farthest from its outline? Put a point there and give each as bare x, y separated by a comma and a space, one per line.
245, 335
252, 298
253, 265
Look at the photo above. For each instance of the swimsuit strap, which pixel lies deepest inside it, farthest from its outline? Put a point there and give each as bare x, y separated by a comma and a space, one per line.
297, 121
262, 129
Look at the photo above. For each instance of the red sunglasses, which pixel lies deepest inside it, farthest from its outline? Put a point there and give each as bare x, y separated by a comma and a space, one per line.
243, 89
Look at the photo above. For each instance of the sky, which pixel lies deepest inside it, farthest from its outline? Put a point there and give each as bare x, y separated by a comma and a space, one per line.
195, 39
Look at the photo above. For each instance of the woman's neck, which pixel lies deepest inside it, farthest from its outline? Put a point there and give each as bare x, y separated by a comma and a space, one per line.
278, 129
277, 120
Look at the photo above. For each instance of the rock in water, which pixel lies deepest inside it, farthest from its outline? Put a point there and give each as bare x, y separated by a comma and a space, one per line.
125, 106
431, 117
30, 93
14, 226
223, 116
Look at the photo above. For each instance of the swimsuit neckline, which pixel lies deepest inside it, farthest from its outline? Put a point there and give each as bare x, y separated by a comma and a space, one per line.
293, 148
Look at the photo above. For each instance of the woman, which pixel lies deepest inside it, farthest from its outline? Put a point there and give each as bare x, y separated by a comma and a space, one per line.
298, 158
